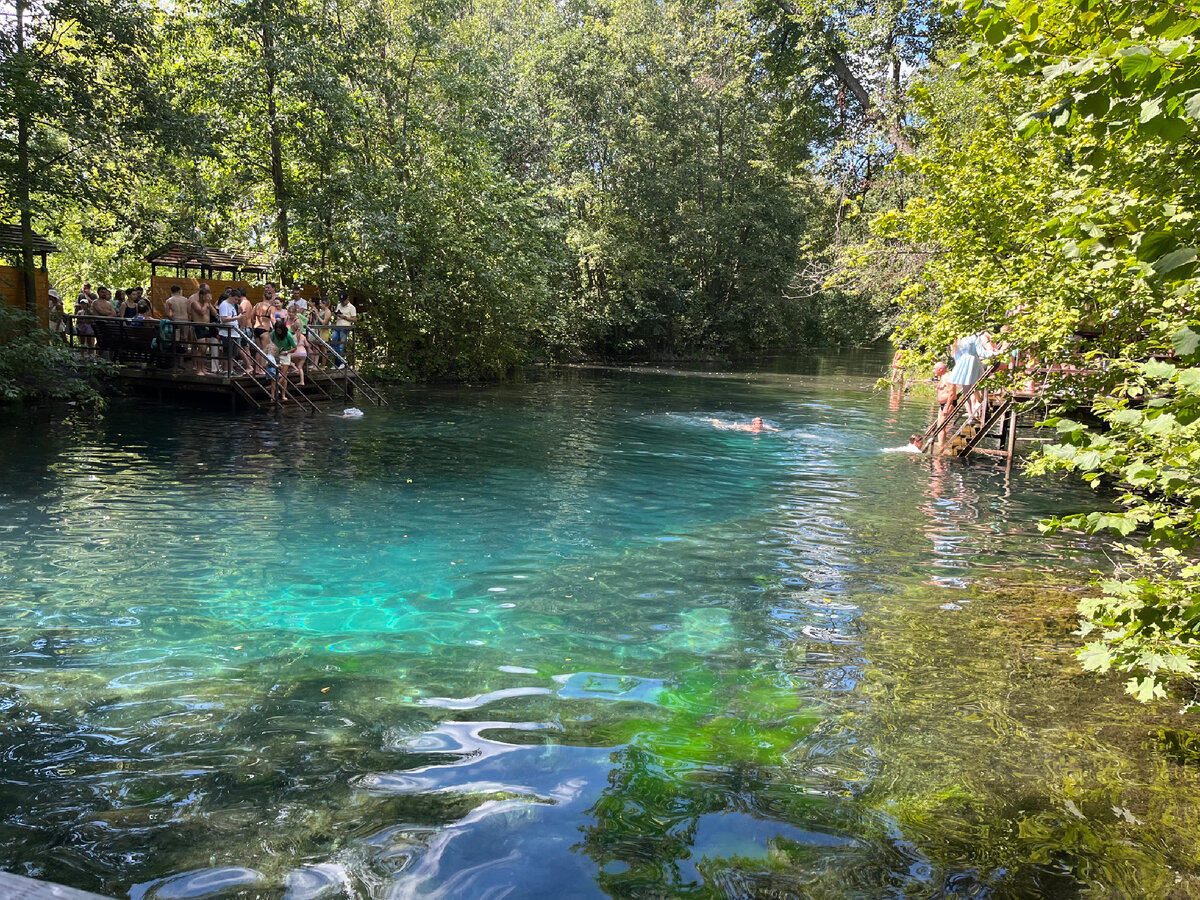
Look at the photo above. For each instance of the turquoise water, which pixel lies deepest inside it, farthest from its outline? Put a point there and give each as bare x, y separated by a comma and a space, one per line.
559, 638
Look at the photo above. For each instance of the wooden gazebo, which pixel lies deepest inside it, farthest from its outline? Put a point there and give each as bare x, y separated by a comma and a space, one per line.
10, 242
192, 260
12, 279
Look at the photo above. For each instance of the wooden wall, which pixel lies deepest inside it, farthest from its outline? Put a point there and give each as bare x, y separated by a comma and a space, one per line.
12, 291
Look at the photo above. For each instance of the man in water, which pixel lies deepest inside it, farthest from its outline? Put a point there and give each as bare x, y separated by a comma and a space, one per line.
755, 427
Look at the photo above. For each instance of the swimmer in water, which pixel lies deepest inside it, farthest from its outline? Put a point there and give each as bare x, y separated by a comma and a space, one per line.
915, 445
756, 425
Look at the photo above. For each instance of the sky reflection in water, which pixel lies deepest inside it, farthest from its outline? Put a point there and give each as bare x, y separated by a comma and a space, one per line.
560, 638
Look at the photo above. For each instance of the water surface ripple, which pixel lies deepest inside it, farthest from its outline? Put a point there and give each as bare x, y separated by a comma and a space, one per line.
561, 638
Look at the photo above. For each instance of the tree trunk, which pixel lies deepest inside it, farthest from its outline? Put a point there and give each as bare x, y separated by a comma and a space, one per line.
847, 77
848, 80
277, 182
23, 201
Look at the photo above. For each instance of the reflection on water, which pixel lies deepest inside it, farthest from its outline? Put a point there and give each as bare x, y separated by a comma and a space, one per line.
561, 638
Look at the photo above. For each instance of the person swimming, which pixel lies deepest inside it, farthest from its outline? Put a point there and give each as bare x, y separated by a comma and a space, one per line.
916, 444
755, 426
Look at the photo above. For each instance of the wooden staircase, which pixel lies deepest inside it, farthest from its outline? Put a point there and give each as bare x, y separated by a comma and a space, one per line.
1001, 422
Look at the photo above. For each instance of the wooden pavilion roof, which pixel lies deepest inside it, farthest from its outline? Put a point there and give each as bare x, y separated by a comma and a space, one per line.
10, 238
193, 256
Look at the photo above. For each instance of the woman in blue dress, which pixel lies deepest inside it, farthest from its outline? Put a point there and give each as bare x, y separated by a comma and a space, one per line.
969, 353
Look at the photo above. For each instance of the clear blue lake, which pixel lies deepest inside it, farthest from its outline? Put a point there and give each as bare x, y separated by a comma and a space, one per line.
563, 638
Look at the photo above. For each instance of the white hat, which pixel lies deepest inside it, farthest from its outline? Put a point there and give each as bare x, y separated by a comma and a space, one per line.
55, 294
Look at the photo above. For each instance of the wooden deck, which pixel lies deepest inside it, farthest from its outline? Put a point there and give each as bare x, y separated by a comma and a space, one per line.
239, 391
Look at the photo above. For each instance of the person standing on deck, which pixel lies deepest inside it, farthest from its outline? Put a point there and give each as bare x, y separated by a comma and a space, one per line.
231, 338
126, 308
103, 305
322, 316
261, 322
284, 343
344, 318
177, 312
57, 315
201, 309
297, 305
969, 353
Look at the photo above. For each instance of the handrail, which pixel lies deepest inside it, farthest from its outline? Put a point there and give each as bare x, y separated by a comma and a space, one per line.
292, 395
350, 373
940, 424
230, 358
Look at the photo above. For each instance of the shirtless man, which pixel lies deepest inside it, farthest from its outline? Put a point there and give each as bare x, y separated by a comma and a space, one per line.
177, 311
200, 309
245, 309
103, 305
756, 425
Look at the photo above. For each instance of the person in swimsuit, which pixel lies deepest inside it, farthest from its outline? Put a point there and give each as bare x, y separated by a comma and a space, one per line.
126, 308
322, 316
947, 391
200, 309
177, 312
284, 343
262, 318
300, 354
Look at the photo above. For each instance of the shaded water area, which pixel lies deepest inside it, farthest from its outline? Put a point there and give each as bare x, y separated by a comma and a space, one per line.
563, 638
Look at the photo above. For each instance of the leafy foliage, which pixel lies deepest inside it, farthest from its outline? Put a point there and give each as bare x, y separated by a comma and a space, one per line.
497, 180
36, 365
1057, 178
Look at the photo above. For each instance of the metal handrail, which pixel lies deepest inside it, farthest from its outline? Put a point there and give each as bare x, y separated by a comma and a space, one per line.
349, 372
938, 427
293, 395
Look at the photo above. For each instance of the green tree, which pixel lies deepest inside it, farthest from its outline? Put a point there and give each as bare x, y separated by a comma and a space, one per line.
73, 85
1057, 197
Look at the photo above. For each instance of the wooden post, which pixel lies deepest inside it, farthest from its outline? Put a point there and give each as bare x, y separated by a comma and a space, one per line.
1010, 444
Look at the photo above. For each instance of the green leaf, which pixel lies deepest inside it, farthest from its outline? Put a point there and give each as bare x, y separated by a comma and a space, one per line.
1175, 259
1125, 417
1151, 109
1095, 657
1191, 105
1139, 474
1189, 380
1156, 368
1136, 62
1185, 341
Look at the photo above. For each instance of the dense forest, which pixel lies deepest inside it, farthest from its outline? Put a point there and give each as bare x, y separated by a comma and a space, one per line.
508, 180
502, 180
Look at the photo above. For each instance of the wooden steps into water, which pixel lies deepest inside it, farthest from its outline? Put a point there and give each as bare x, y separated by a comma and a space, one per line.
330, 386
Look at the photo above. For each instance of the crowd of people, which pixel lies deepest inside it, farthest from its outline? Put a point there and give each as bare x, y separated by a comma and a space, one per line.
228, 336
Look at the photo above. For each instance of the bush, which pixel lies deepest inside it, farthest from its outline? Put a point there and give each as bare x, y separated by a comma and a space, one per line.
36, 365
